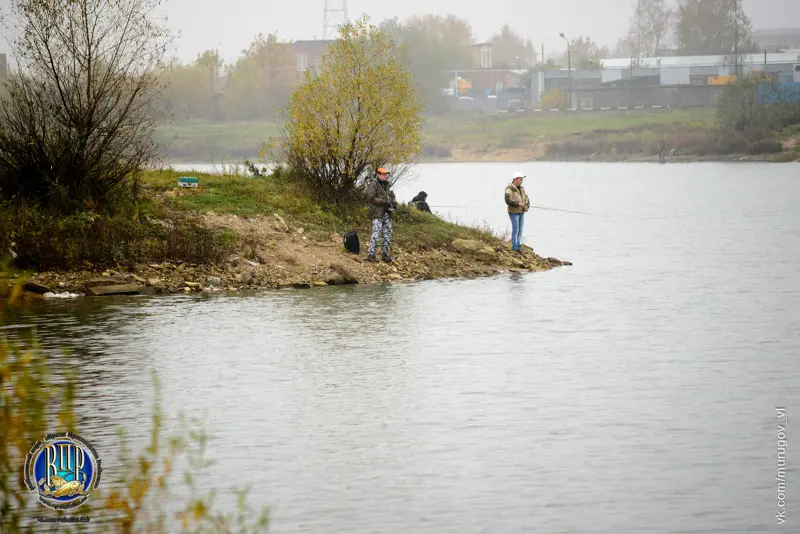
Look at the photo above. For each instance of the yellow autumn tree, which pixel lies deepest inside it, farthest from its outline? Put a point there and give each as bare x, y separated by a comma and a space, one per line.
356, 112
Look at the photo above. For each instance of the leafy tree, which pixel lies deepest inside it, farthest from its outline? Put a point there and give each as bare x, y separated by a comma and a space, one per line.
189, 90
713, 27
554, 98
261, 80
585, 53
77, 126
359, 111
507, 46
433, 44
739, 110
650, 26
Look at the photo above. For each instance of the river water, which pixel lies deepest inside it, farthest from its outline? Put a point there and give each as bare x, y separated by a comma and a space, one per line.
635, 391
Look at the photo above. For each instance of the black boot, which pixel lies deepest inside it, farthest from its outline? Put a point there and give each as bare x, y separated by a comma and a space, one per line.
372, 259
386, 258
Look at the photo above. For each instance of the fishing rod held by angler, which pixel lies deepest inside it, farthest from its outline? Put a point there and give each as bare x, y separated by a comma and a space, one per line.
540, 208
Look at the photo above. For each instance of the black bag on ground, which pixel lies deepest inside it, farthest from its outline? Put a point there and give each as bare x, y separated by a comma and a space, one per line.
351, 242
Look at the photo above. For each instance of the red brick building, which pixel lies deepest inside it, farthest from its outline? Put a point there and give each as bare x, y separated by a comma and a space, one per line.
308, 54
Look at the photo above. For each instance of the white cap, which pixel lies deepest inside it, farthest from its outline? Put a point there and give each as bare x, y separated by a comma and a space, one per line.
518, 174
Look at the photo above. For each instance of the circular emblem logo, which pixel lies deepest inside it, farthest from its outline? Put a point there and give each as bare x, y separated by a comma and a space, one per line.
64, 468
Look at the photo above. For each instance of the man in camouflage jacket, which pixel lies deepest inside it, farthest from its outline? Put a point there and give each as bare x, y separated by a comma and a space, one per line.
382, 204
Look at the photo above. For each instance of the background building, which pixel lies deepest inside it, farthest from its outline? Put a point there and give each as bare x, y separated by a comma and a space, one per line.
775, 40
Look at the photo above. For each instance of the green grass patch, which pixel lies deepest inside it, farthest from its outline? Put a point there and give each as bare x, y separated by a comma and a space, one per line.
204, 141
212, 141
247, 196
518, 129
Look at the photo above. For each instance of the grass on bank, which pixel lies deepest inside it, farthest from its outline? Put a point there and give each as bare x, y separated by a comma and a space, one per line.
167, 224
214, 141
247, 196
528, 127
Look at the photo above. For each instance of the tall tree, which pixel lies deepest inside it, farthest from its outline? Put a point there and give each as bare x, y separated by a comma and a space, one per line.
650, 26
358, 112
451, 37
261, 79
585, 53
78, 125
508, 46
189, 88
433, 44
713, 27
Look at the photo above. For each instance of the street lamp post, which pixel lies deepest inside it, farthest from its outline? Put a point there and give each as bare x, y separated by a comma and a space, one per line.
569, 69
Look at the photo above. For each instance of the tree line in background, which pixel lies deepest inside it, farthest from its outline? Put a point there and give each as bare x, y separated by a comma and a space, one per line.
257, 85
692, 27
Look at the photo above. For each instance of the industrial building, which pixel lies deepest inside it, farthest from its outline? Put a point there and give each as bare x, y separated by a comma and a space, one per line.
679, 81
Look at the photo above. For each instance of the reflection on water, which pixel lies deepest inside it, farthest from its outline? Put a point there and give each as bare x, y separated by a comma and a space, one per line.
632, 392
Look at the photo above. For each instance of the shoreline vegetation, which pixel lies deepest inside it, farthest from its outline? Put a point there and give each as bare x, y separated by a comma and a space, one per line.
236, 233
602, 136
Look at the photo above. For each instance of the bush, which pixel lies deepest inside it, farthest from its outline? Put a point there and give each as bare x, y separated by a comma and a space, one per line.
554, 99
765, 146
358, 111
436, 151
136, 498
731, 143
42, 240
77, 126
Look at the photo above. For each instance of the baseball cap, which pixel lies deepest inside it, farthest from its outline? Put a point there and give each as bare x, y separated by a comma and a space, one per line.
519, 174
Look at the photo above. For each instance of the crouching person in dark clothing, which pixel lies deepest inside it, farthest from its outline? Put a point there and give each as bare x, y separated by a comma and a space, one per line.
420, 202
382, 204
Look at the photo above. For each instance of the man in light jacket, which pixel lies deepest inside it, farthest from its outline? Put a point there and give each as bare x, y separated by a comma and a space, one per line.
518, 203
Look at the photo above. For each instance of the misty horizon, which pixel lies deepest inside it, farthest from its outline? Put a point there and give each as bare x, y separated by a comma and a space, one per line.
605, 21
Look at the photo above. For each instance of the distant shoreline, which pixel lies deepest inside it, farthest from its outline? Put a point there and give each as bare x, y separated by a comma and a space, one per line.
687, 136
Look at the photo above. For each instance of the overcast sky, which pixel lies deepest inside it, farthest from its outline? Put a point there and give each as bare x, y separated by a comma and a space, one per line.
232, 24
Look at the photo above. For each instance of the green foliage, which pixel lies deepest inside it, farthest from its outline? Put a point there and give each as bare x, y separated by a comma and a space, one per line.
712, 27
554, 98
359, 111
260, 81
584, 53
739, 110
189, 90
76, 128
510, 50
434, 44
43, 240
470, 132
650, 23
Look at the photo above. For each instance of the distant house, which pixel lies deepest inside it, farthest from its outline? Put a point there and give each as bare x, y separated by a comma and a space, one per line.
482, 79
308, 54
482, 56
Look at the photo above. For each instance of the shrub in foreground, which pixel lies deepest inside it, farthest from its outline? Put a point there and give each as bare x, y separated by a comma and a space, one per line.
41, 240
77, 125
131, 499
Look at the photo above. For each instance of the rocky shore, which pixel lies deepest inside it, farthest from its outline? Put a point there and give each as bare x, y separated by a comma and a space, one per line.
279, 257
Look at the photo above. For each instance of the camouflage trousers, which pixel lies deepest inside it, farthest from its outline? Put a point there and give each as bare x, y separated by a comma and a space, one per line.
383, 226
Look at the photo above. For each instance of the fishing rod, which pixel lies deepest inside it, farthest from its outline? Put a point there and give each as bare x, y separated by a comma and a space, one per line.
537, 207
